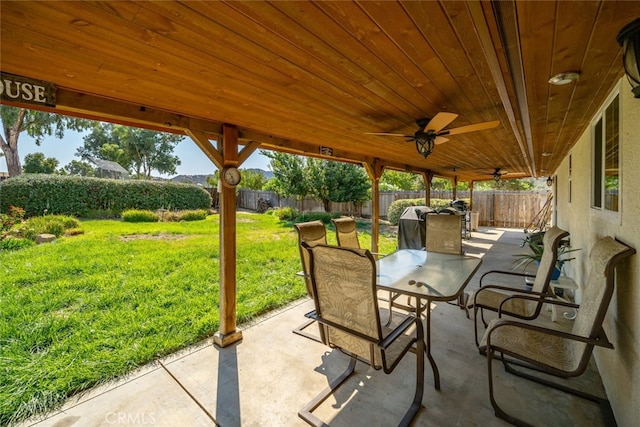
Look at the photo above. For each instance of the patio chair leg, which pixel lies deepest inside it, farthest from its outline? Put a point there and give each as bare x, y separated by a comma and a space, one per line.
496, 409
306, 412
509, 368
475, 325
300, 330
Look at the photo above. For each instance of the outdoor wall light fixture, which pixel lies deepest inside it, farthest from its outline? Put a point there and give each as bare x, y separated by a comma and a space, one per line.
549, 182
629, 39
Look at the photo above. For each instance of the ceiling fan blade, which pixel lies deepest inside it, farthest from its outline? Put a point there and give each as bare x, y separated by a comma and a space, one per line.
388, 134
472, 128
439, 121
440, 140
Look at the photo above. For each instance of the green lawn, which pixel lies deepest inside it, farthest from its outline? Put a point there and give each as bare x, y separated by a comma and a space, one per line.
90, 308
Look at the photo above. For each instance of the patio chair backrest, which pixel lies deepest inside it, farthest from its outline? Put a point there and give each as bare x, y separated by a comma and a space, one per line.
312, 233
444, 233
550, 243
596, 294
344, 284
346, 232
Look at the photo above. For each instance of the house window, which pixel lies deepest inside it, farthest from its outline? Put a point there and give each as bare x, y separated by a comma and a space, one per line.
606, 158
569, 179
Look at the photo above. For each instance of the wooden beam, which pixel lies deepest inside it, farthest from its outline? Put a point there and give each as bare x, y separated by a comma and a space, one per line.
482, 28
247, 151
99, 108
202, 141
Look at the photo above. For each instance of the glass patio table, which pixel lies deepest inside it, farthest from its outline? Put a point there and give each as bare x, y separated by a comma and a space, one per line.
428, 277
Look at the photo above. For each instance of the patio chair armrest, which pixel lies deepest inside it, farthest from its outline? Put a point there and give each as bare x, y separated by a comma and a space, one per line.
505, 272
314, 315
513, 290
600, 341
378, 254
548, 299
399, 330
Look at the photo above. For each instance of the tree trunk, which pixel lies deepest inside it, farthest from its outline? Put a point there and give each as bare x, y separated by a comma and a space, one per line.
13, 162
10, 147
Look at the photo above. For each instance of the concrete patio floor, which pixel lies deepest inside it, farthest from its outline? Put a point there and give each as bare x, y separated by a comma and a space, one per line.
265, 379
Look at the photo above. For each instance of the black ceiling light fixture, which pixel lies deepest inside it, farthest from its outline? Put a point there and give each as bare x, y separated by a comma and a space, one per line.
629, 39
496, 176
549, 182
424, 143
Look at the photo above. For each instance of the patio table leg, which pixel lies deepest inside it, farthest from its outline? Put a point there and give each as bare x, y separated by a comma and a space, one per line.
427, 342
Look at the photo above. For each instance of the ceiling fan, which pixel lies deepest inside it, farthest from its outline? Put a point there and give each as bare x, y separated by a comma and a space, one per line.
431, 131
498, 173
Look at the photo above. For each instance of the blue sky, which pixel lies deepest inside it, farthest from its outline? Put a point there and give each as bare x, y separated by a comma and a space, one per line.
194, 162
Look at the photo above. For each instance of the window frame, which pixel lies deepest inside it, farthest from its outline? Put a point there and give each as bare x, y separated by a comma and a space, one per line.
600, 117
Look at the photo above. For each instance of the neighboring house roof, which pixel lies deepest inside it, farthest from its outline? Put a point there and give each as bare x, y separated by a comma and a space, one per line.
109, 167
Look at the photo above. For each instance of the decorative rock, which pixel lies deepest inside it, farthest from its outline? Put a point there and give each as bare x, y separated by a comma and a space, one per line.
45, 238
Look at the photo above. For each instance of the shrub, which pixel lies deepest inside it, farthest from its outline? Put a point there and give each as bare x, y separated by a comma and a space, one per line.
398, 206
50, 224
15, 216
135, 215
195, 215
74, 195
325, 217
285, 214
15, 243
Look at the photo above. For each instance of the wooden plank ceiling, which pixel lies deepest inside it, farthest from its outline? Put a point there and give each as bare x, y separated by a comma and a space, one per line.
299, 75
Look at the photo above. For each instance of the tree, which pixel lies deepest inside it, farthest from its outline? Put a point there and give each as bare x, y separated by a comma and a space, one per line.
400, 181
252, 179
79, 168
288, 174
37, 125
36, 163
336, 182
141, 151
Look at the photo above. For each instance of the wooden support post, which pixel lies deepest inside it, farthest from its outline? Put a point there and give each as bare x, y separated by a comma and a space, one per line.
455, 188
227, 334
427, 178
471, 195
374, 170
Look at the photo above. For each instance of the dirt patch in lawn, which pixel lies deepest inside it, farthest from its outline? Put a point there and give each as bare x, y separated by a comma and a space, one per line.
161, 236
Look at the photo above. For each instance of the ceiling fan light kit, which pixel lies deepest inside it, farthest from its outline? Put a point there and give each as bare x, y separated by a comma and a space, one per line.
431, 131
424, 145
629, 39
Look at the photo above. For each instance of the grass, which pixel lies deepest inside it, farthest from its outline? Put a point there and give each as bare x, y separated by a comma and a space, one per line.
90, 308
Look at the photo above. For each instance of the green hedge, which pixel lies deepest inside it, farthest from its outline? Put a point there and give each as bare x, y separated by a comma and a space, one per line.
72, 195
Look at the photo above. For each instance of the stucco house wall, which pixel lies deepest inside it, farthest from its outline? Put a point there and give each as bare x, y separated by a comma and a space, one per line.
619, 368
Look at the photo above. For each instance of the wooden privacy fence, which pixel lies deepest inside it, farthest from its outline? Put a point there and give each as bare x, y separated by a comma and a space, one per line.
513, 209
